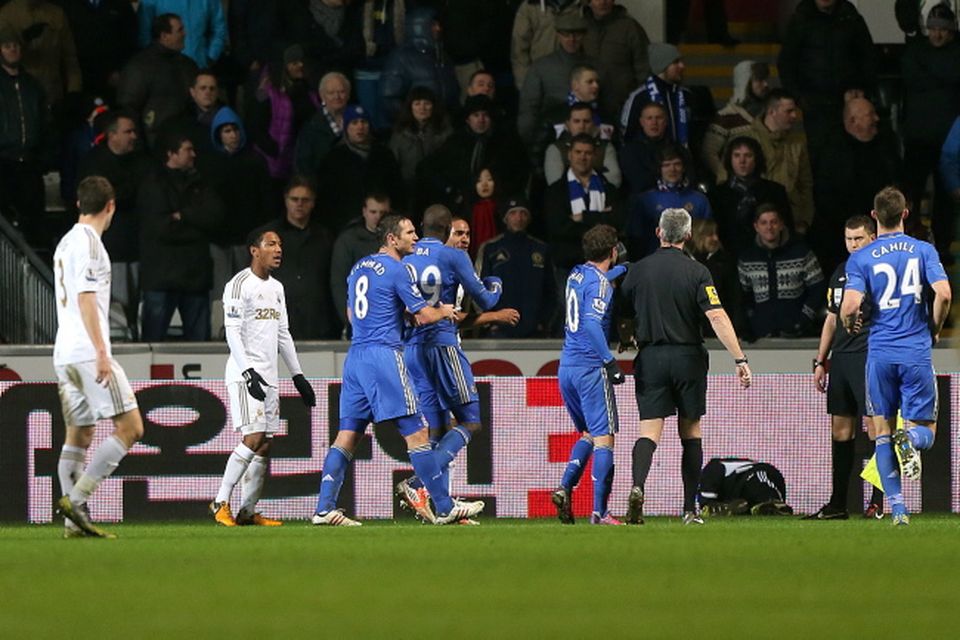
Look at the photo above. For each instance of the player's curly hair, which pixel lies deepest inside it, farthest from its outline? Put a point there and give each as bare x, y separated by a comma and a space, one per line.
598, 242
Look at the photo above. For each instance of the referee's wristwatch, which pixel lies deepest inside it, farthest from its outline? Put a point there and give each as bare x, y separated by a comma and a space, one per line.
818, 363
740, 361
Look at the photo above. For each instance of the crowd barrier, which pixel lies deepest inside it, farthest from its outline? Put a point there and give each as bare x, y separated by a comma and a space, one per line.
513, 464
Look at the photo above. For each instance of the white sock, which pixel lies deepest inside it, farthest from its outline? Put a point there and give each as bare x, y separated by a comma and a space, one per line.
236, 465
69, 470
252, 485
105, 460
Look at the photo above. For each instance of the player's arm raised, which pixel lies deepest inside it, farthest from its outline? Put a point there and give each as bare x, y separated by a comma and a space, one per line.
486, 292
87, 302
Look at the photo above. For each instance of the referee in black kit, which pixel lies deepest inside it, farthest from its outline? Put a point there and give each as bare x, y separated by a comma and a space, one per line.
670, 290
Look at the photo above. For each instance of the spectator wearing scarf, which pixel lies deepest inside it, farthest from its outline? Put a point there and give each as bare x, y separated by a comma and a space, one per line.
576, 203
325, 128
663, 86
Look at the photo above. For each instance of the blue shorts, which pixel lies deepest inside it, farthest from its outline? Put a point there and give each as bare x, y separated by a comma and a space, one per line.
376, 386
589, 398
911, 388
444, 380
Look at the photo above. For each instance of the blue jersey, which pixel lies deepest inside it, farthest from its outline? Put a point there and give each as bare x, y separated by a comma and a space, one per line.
896, 271
438, 271
588, 312
379, 288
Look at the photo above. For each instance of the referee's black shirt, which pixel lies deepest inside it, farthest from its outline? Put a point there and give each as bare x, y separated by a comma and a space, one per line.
670, 292
843, 341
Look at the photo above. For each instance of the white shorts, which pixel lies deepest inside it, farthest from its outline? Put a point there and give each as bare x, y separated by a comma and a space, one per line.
249, 415
84, 400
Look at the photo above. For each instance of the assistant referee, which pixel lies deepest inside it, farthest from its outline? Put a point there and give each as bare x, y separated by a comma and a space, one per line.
670, 290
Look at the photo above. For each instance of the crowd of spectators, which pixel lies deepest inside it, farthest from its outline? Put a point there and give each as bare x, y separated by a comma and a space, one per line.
532, 120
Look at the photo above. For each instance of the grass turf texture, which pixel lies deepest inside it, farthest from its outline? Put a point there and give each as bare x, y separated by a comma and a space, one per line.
744, 577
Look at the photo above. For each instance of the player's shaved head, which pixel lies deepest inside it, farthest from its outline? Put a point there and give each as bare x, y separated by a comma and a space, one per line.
889, 205
437, 221
94, 193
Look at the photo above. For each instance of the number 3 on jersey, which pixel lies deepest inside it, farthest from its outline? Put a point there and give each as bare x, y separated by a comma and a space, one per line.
360, 303
573, 311
910, 286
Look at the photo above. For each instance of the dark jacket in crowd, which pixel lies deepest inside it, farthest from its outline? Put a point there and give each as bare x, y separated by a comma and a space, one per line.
931, 91
419, 62
523, 263
253, 28
347, 174
666, 94
314, 142
175, 254
824, 54
783, 288
734, 204
341, 51
619, 45
723, 269
640, 162
155, 86
644, 214
24, 118
193, 123
848, 176
564, 234
353, 243
126, 173
305, 275
448, 175
106, 37
240, 179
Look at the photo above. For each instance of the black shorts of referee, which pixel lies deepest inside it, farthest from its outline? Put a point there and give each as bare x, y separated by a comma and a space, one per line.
671, 379
846, 384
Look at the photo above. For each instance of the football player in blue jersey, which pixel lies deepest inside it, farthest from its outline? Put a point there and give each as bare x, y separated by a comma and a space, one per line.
588, 372
438, 367
376, 385
897, 272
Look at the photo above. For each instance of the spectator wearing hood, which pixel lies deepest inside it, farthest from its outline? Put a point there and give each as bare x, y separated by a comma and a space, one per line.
356, 166
419, 62
447, 176
547, 84
618, 45
535, 34
673, 191
663, 86
750, 87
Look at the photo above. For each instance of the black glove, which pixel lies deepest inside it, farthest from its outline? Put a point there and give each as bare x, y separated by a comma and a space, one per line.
614, 373
305, 390
255, 384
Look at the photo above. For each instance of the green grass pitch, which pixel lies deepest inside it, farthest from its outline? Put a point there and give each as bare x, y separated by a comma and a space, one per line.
733, 578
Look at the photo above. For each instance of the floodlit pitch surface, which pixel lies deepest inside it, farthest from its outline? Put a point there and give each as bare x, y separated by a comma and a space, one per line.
734, 578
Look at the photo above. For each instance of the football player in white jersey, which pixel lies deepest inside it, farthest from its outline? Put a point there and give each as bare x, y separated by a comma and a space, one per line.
255, 319
92, 386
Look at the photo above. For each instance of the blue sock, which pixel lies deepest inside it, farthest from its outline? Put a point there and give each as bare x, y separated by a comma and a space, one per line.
921, 437
414, 481
331, 478
889, 474
448, 448
425, 465
602, 478
579, 457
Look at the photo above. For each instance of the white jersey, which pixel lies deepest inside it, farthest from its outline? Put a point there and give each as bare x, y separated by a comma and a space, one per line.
81, 265
258, 307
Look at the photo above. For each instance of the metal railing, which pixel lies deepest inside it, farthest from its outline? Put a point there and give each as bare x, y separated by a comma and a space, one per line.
28, 313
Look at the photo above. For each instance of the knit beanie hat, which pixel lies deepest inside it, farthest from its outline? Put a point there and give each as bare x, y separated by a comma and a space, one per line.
662, 55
